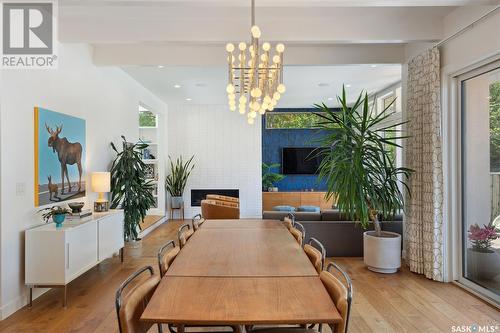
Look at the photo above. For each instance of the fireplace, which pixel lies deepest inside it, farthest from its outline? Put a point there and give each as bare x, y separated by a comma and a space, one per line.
199, 194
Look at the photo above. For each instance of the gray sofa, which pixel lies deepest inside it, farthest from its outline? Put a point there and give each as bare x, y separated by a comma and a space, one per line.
341, 237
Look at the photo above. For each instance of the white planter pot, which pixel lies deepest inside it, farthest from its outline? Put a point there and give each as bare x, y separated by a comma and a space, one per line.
382, 254
482, 265
176, 202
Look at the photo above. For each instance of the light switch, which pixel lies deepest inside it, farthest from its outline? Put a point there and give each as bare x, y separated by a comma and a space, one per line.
20, 189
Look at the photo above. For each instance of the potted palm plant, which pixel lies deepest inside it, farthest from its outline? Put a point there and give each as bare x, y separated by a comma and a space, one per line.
176, 181
358, 167
129, 188
270, 178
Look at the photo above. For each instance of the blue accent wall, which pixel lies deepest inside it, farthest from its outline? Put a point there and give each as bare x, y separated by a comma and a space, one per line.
273, 140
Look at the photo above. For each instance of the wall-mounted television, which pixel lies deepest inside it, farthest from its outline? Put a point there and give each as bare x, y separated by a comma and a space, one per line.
300, 161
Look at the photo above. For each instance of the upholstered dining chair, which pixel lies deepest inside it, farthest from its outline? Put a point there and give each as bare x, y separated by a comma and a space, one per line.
130, 307
298, 232
289, 220
165, 259
184, 235
341, 295
316, 252
197, 221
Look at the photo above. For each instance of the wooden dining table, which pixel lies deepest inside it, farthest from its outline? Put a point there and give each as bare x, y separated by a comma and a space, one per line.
241, 272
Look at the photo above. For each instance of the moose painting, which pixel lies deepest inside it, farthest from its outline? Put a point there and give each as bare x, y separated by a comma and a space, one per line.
60, 157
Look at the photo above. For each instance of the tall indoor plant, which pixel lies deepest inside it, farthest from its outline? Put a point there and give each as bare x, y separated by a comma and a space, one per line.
129, 188
357, 166
176, 181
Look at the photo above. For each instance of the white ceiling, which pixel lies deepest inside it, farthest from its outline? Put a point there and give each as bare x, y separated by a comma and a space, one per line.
206, 85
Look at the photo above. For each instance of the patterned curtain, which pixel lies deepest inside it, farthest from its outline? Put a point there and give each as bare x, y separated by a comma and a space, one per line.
424, 208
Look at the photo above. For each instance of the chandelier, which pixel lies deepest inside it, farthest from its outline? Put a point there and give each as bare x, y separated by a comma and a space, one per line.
255, 75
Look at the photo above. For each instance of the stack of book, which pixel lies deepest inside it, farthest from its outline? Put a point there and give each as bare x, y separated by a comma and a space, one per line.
81, 215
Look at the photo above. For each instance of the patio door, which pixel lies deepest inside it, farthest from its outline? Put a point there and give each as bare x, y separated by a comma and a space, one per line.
480, 171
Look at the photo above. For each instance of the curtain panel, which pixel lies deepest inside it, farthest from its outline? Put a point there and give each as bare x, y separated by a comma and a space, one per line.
424, 207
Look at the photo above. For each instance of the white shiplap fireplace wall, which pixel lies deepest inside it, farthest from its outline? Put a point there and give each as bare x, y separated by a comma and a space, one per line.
228, 152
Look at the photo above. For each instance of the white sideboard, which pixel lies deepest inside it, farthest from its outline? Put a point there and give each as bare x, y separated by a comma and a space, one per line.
55, 256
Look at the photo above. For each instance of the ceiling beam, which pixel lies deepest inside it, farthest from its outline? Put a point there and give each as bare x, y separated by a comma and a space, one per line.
182, 54
119, 22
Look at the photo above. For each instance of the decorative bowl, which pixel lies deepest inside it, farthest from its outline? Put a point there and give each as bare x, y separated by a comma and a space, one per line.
76, 207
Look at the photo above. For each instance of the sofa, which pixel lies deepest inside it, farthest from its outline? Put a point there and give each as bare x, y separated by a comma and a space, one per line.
340, 236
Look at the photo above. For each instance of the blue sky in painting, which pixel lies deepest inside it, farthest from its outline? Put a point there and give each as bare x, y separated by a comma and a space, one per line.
73, 130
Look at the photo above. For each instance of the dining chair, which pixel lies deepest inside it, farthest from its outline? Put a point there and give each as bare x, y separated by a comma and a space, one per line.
184, 235
165, 259
197, 221
298, 232
316, 253
341, 296
130, 308
289, 220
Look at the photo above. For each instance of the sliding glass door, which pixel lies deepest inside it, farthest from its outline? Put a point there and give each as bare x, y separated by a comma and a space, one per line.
480, 113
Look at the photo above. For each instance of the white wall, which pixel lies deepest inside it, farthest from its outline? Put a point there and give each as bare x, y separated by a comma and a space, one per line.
227, 151
106, 97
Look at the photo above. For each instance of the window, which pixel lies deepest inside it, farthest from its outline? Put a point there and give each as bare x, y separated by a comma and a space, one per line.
480, 136
146, 117
291, 120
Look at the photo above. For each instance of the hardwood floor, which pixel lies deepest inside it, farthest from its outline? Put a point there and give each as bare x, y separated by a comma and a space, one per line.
402, 302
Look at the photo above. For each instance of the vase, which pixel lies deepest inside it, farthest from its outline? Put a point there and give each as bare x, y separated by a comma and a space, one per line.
482, 265
176, 202
58, 219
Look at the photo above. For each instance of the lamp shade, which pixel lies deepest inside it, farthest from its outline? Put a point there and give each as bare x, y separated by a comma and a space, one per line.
100, 181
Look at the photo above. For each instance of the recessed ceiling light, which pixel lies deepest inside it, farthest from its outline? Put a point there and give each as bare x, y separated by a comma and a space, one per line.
188, 99
348, 86
373, 66
330, 98
177, 86
160, 66
323, 84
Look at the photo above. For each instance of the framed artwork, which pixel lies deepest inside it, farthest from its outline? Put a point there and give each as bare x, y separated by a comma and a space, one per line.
59, 157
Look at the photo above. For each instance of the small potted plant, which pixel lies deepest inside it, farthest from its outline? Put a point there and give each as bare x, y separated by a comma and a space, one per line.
270, 178
176, 181
483, 262
57, 213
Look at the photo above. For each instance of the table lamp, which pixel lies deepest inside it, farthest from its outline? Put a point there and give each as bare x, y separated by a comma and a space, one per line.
101, 183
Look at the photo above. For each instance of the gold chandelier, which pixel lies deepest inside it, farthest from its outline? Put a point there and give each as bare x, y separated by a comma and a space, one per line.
255, 76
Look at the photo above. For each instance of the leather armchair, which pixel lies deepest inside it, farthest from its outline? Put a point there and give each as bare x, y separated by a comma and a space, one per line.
219, 210
222, 198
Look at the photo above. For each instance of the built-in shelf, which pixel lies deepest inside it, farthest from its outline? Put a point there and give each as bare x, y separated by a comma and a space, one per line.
154, 169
